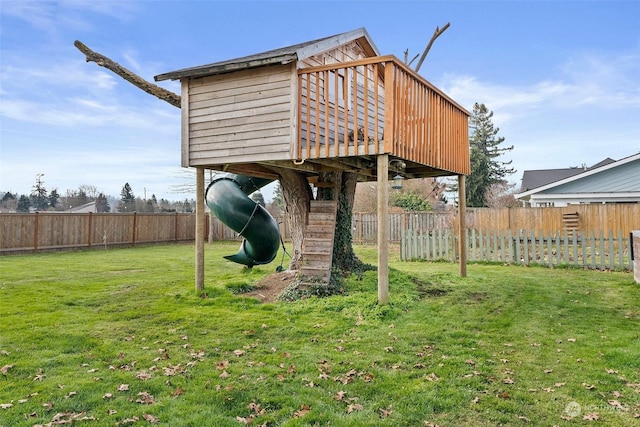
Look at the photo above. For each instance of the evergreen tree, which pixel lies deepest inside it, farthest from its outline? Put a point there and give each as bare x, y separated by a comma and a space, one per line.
258, 198
54, 198
486, 169
127, 199
278, 200
24, 203
39, 198
102, 205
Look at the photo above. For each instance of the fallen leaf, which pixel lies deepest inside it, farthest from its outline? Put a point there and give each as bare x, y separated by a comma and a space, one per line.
354, 407
508, 381
304, 409
143, 375
145, 398
384, 413
432, 377
123, 387
239, 352
5, 369
177, 392
6, 405
4, 353
340, 395
591, 417
616, 404
107, 396
70, 394
151, 419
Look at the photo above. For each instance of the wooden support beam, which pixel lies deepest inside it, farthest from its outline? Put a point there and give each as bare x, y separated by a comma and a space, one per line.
383, 229
200, 229
462, 229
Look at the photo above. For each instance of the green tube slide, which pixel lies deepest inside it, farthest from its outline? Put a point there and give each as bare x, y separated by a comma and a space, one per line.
227, 198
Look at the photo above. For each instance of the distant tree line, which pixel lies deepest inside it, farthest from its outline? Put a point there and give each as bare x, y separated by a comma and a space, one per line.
41, 200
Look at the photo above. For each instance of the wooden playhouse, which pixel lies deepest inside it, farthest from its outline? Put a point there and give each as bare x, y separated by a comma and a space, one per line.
329, 104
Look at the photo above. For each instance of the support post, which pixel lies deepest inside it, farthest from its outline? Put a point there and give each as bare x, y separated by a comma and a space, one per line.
462, 228
383, 229
200, 229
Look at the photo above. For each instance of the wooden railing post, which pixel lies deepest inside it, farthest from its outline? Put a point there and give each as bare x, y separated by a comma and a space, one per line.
389, 106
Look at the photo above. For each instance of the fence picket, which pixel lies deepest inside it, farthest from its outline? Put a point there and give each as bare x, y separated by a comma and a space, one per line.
523, 247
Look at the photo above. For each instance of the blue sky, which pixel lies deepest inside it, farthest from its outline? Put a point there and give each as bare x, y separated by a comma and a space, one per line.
563, 78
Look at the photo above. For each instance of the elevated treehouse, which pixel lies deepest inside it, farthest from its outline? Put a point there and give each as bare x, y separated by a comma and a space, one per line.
333, 104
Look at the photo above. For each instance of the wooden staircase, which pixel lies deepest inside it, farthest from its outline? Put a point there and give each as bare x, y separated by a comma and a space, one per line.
317, 247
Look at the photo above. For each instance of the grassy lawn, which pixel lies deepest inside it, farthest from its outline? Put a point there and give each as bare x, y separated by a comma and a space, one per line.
119, 337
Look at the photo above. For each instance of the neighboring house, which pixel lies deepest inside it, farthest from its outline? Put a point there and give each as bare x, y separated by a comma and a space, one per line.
609, 181
86, 208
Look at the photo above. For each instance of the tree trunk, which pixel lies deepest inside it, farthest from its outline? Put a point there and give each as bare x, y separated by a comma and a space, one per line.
344, 258
297, 195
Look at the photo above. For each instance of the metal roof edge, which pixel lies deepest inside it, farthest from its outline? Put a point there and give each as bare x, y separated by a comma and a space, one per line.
281, 55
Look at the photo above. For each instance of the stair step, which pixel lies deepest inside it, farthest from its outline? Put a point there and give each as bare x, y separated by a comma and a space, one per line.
316, 254
322, 217
312, 235
324, 228
328, 206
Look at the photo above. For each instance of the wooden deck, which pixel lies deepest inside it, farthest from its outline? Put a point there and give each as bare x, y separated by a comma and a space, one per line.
380, 106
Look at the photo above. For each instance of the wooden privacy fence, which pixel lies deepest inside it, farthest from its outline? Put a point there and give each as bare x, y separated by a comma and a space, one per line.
48, 230
592, 250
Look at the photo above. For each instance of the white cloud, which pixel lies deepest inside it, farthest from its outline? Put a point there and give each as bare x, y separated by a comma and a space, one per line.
50, 16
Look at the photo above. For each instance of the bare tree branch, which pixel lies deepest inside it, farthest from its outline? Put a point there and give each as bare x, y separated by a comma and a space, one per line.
435, 35
129, 76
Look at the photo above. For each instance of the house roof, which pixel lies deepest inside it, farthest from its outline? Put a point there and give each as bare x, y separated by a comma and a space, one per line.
582, 174
282, 55
537, 178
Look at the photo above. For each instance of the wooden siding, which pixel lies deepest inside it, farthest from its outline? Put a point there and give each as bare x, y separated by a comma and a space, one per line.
240, 117
379, 102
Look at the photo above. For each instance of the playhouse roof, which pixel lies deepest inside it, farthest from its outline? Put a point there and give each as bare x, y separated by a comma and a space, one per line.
282, 55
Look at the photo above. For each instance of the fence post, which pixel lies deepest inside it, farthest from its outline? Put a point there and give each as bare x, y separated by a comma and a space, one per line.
35, 233
133, 231
90, 229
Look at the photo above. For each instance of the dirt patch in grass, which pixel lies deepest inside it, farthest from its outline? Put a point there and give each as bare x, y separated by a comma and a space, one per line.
268, 289
426, 290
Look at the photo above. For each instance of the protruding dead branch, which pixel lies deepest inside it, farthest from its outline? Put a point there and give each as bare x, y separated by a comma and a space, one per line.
129, 76
436, 34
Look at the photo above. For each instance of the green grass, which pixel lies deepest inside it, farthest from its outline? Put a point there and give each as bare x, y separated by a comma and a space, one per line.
504, 346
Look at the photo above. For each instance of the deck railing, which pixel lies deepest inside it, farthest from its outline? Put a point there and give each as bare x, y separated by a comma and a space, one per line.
379, 105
